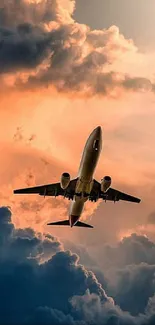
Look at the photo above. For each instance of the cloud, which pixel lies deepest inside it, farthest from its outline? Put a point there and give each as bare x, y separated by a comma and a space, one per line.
131, 250
137, 83
21, 166
21, 244
35, 12
44, 46
102, 13
45, 284
94, 311
151, 218
24, 271
133, 288
23, 47
18, 136
48, 316
129, 272
126, 271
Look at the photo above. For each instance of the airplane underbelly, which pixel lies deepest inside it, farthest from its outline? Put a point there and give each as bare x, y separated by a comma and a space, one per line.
84, 186
76, 207
88, 165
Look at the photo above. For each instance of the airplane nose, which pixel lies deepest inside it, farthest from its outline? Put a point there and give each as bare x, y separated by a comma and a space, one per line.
98, 132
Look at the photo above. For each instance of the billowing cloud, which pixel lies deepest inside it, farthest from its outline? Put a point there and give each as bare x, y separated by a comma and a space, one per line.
122, 13
44, 46
24, 47
39, 268
19, 244
129, 269
94, 311
130, 283
131, 250
56, 288
35, 12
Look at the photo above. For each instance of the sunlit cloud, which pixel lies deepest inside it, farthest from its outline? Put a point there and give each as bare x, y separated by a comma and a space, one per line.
49, 48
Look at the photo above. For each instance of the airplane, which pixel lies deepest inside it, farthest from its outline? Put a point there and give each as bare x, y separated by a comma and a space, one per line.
84, 187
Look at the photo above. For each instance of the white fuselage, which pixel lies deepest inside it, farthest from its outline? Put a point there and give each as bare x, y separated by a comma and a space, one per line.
87, 167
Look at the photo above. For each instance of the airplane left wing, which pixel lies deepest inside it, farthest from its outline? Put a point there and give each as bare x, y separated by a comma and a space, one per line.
111, 194
50, 190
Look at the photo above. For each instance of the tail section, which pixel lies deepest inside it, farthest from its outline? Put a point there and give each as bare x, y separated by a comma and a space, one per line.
66, 223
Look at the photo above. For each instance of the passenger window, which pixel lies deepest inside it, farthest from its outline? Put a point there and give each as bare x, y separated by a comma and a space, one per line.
96, 144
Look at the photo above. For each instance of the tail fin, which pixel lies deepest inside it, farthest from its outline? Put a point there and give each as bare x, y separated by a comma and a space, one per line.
66, 223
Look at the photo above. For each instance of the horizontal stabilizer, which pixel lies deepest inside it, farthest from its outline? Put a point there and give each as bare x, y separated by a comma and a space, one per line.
66, 223
59, 223
82, 224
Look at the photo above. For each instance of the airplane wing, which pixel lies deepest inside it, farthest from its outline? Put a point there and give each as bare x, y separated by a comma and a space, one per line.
115, 195
111, 195
50, 190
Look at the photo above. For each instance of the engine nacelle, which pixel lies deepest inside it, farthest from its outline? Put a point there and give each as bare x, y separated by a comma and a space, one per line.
65, 180
105, 183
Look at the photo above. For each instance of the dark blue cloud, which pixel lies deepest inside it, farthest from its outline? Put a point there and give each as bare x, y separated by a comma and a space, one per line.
31, 288
134, 249
24, 47
88, 261
130, 270
133, 287
47, 316
41, 283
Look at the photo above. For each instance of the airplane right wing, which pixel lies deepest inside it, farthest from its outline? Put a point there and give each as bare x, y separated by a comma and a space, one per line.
111, 194
115, 195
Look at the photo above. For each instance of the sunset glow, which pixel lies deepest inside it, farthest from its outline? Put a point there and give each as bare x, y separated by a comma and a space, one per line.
66, 67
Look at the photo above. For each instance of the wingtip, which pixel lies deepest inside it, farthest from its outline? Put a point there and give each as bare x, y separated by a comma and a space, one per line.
16, 192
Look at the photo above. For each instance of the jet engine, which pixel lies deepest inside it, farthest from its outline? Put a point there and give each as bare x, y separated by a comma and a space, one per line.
65, 180
105, 183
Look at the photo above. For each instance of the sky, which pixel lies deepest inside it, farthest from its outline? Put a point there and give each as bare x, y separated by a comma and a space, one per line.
66, 67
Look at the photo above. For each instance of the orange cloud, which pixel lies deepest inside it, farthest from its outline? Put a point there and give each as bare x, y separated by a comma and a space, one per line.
60, 128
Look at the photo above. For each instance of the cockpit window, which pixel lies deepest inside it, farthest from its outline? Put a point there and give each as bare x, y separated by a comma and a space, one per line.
96, 144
